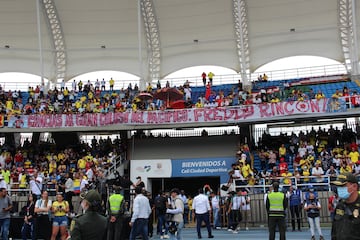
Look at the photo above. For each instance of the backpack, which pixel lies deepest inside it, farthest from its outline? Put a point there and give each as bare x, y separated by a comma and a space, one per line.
160, 203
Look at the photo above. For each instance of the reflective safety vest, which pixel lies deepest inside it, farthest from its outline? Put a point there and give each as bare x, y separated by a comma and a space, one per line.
276, 201
23, 181
115, 201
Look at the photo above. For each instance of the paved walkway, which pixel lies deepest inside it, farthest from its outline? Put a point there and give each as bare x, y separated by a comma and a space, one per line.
257, 234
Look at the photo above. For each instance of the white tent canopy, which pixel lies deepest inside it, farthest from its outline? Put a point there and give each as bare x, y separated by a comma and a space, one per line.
103, 35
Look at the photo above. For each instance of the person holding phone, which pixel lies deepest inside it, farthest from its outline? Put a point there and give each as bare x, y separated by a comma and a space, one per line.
59, 208
5, 206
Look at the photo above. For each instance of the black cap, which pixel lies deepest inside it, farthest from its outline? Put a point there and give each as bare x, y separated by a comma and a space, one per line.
93, 197
344, 178
175, 190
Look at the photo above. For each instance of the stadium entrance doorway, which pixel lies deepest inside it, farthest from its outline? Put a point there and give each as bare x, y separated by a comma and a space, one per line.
189, 184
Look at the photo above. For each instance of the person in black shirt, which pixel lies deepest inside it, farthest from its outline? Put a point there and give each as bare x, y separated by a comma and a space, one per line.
28, 213
160, 203
139, 183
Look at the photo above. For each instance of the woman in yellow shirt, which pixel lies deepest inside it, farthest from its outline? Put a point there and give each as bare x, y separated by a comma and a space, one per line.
282, 151
59, 208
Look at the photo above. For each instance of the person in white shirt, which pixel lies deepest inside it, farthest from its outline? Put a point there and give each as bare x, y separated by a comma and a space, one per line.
234, 212
201, 207
187, 91
84, 183
36, 185
318, 172
215, 205
69, 190
73, 85
310, 149
245, 208
90, 174
140, 218
302, 150
103, 84
42, 222
97, 85
2, 182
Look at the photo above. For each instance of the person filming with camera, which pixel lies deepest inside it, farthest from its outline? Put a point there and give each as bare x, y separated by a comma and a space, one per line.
59, 208
312, 207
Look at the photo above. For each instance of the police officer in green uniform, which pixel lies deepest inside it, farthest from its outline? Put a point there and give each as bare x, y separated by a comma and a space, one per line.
116, 209
91, 225
346, 224
276, 203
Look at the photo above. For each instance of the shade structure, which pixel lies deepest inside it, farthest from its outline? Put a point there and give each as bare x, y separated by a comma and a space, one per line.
179, 104
169, 94
143, 97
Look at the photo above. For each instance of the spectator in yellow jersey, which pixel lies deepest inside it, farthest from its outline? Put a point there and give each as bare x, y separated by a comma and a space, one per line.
149, 88
114, 95
90, 95
245, 169
81, 164
199, 104
337, 94
282, 151
354, 155
6, 174
265, 78
274, 99
211, 76
59, 208
319, 95
52, 166
111, 83
9, 105
134, 106
345, 167
286, 177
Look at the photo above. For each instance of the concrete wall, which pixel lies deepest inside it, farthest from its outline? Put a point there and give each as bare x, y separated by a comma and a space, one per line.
187, 147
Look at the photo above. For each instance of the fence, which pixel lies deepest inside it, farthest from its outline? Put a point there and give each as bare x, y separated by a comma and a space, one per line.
258, 214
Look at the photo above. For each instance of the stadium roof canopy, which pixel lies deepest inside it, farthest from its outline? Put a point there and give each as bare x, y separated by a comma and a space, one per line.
80, 36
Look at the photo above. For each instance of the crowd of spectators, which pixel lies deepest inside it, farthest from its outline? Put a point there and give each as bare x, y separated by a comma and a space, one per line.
311, 157
303, 153
42, 166
97, 97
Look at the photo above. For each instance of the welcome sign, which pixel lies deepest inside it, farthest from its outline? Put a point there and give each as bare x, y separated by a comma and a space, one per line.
195, 167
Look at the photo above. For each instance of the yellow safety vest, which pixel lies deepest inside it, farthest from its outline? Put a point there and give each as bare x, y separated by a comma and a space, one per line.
276, 200
23, 182
115, 201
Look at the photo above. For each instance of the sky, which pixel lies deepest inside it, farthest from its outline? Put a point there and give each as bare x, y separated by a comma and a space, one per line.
275, 70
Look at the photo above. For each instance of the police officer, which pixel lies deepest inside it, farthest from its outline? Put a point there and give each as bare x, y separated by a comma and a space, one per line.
116, 209
276, 204
91, 225
346, 224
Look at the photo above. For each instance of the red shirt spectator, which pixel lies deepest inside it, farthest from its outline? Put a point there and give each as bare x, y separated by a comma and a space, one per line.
283, 166
207, 91
18, 159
